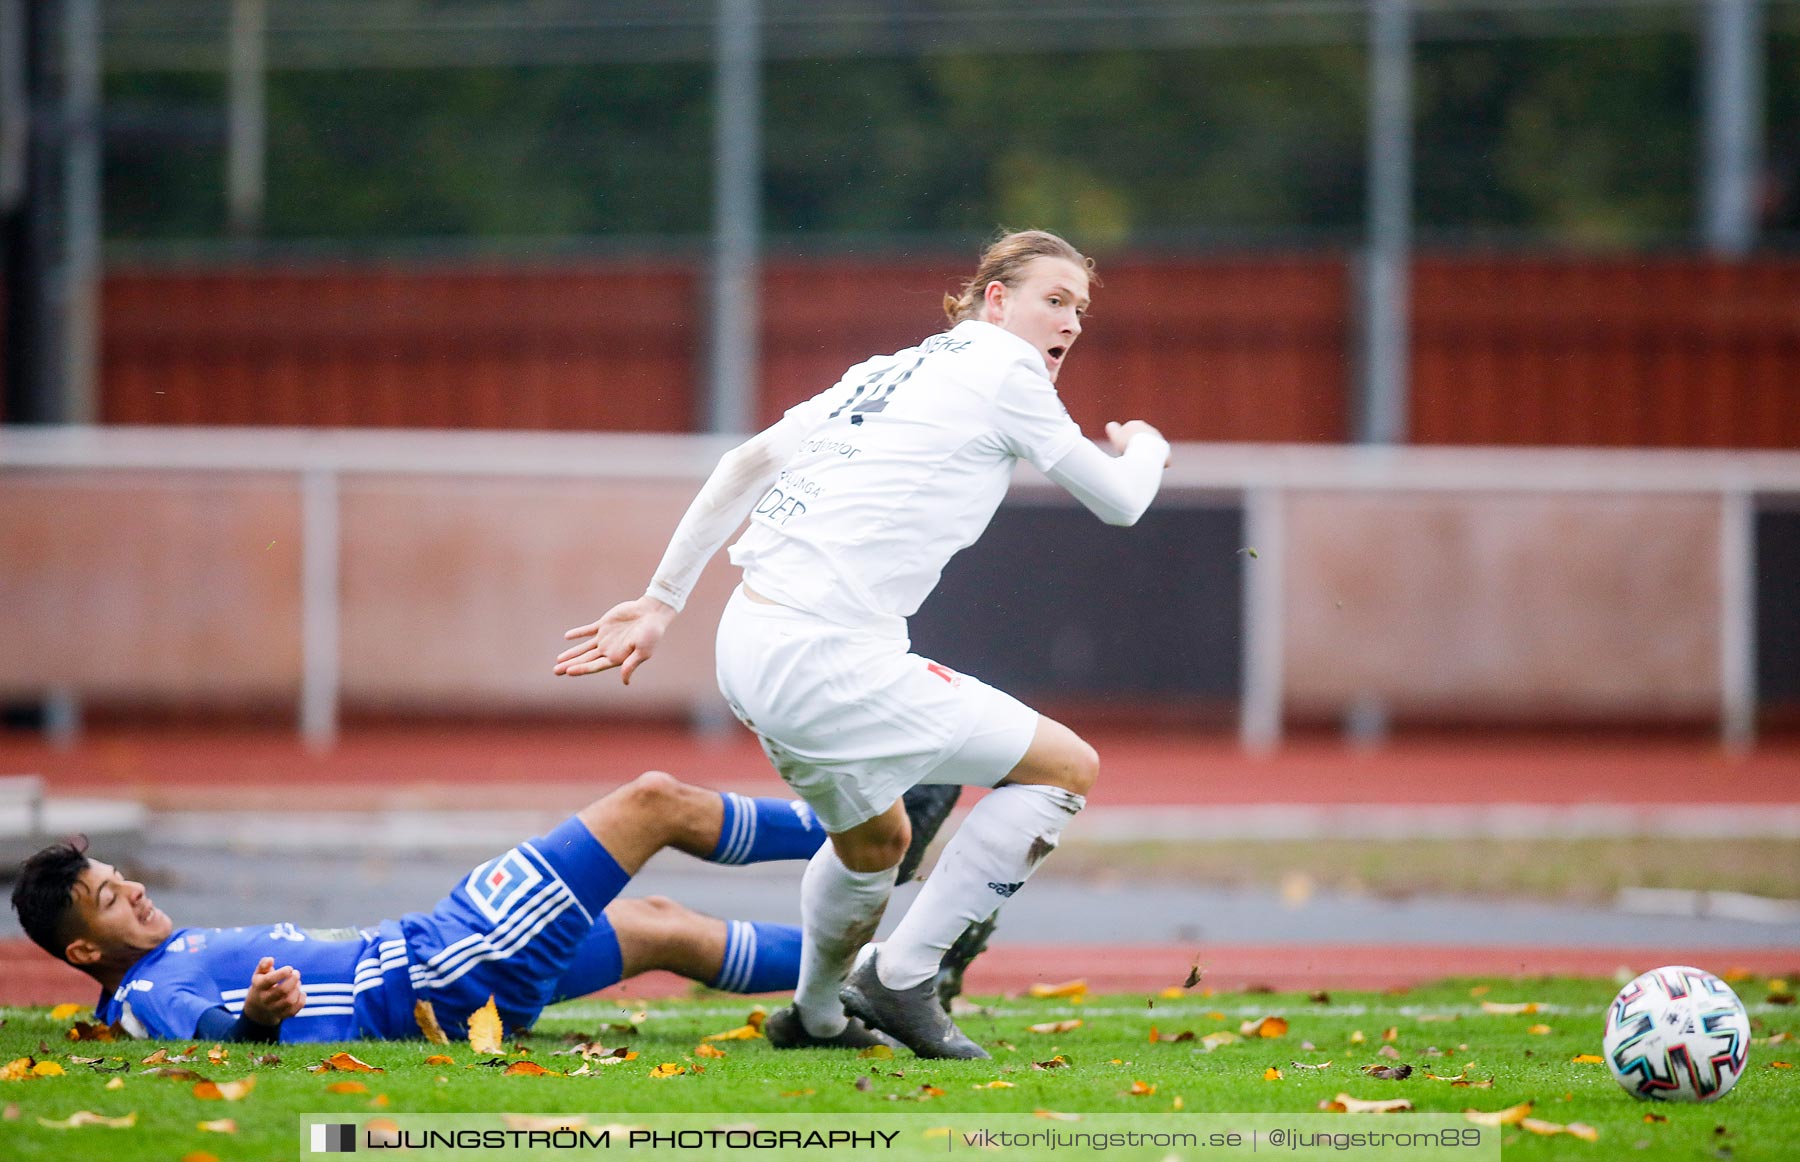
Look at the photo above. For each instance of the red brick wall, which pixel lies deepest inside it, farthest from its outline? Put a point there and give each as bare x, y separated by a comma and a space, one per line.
1619, 351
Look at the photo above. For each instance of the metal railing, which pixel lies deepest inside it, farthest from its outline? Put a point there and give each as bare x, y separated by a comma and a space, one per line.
1260, 478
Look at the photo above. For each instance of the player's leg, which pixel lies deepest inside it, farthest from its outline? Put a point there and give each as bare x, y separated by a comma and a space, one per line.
1040, 770
657, 810
515, 925
638, 935
994, 852
928, 806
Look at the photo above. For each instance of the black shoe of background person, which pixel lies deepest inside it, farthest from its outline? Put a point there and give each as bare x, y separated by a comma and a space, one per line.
926, 809
785, 1030
968, 946
911, 1016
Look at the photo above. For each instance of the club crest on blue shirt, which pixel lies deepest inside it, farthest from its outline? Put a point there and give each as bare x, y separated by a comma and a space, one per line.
498, 886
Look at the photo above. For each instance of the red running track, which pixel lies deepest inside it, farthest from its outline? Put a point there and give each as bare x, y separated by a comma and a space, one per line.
483, 766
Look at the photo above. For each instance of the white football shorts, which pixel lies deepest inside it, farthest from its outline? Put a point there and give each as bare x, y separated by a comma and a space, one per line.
851, 719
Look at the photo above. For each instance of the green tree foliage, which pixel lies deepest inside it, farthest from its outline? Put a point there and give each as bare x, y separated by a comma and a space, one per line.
1584, 141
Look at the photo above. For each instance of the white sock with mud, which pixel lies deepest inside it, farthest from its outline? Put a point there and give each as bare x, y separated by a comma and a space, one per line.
839, 910
988, 859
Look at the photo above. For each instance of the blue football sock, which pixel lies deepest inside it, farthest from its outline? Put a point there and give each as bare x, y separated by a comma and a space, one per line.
762, 829
759, 958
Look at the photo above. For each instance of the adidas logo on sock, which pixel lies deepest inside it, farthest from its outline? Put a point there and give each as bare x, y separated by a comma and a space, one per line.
1006, 890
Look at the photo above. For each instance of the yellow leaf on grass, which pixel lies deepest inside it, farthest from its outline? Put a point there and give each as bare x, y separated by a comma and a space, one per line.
485, 1032
799, 1093
525, 1069
346, 1087
64, 1011
218, 1054
1479, 990
1343, 1103
1272, 1074
1510, 1116
426, 1016
877, 1052
1546, 1129
1539, 1030
439, 1059
1142, 1089
82, 1118
225, 1090
996, 1084
1356, 1037
156, 1058
705, 1050
1391, 1033
1656, 1119
17, 1069
741, 1033
346, 1063
116, 1083
1067, 1026
1588, 1059
199, 1156
668, 1069
756, 1018
1219, 1037
1068, 988
1265, 1027
83, 1031
47, 1069
220, 1126
1781, 1065
1506, 1009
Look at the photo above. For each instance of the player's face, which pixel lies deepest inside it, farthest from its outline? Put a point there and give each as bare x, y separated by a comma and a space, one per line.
1045, 308
116, 915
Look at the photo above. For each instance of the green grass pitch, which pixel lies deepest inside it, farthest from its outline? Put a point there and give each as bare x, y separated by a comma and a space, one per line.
1441, 1029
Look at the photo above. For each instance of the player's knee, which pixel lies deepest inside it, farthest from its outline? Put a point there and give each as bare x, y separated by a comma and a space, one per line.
871, 850
654, 798
650, 923
661, 908
1082, 768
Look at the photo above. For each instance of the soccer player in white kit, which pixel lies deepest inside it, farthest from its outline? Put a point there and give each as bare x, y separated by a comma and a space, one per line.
857, 498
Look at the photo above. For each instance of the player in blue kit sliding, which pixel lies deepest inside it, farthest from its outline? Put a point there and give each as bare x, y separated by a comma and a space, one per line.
538, 924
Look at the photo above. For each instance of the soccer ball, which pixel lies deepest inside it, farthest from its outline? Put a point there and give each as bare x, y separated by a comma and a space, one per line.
1677, 1034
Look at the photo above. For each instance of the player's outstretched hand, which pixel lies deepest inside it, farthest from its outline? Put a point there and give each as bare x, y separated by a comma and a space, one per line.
275, 993
625, 637
1120, 435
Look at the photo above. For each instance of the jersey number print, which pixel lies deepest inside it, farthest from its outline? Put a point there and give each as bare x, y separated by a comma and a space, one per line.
879, 388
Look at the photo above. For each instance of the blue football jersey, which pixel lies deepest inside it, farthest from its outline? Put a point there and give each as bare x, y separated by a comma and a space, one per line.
343, 971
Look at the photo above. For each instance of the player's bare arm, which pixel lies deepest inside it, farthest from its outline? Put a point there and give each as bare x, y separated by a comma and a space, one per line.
627, 635
275, 993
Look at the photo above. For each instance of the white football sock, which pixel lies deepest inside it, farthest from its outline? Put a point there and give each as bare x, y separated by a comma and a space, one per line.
988, 859
839, 910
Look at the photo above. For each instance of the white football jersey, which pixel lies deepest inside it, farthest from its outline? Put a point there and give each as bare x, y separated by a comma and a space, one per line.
904, 462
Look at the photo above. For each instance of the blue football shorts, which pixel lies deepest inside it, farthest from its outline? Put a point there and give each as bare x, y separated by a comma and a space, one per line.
524, 928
